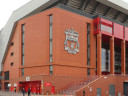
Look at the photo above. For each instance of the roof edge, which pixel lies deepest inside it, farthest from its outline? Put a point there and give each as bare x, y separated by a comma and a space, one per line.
116, 4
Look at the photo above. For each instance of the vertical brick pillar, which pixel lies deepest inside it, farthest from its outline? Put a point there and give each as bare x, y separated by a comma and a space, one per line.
112, 55
123, 57
20, 72
2, 81
18, 88
99, 45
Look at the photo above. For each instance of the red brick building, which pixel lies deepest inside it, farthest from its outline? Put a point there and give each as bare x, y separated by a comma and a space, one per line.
67, 41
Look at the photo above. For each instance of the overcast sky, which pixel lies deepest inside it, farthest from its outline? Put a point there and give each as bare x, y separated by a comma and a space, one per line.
8, 6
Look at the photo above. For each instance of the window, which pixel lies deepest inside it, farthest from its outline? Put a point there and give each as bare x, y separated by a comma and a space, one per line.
88, 71
0, 86
117, 59
126, 60
12, 53
105, 58
22, 72
12, 64
51, 69
6, 75
88, 44
50, 23
106, 28
12, 43
23, 30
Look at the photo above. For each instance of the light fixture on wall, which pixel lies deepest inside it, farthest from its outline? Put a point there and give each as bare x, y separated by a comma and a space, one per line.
105, 77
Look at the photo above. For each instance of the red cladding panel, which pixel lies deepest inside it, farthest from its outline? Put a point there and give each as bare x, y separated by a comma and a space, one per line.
96, 25
53, 89
118, 31
126, 33
106, 22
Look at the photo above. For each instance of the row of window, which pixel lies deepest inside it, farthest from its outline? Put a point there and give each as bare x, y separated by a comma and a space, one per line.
50, 32
50, 51
22, 61
88, 44
12, 44
23, 31
50, 70
6, 74
106, 28
117, 58
50, 44
12, 53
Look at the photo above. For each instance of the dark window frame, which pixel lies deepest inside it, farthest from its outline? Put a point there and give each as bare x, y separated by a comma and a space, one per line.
88, 44
12, 53
22, 72
88, 71
22, 31
12, 44
117, 59
12, 64
6, 75
51, 69
50, 38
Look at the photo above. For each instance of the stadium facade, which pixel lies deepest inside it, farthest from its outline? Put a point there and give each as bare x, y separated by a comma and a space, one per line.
77, 47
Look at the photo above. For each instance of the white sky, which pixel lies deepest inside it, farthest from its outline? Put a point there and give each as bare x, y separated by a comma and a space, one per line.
8, 6
6, 9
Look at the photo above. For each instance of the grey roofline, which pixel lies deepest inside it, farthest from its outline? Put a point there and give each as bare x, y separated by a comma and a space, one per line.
116, 4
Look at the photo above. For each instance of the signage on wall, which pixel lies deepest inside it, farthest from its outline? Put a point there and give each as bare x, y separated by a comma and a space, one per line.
71, 42
42, 85
15, 85
27, 78
47, 84
41, 81
9, 85
90, 89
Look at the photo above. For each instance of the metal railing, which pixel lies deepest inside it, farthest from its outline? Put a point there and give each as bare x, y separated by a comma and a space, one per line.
73, 87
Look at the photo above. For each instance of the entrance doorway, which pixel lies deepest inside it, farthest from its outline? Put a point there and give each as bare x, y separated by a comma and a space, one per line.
35, 86
6, 88
112, 90
53, 89
98, 91
125, 88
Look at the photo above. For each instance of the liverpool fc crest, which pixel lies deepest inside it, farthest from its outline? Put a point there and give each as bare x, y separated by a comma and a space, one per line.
71, 42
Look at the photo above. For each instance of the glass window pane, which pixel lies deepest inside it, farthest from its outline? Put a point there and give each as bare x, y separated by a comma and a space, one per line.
23, 30
88, 71
109, 29
105, 58
22, 71
117, 59
50, 58
88, 44
103, 27
51, 70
